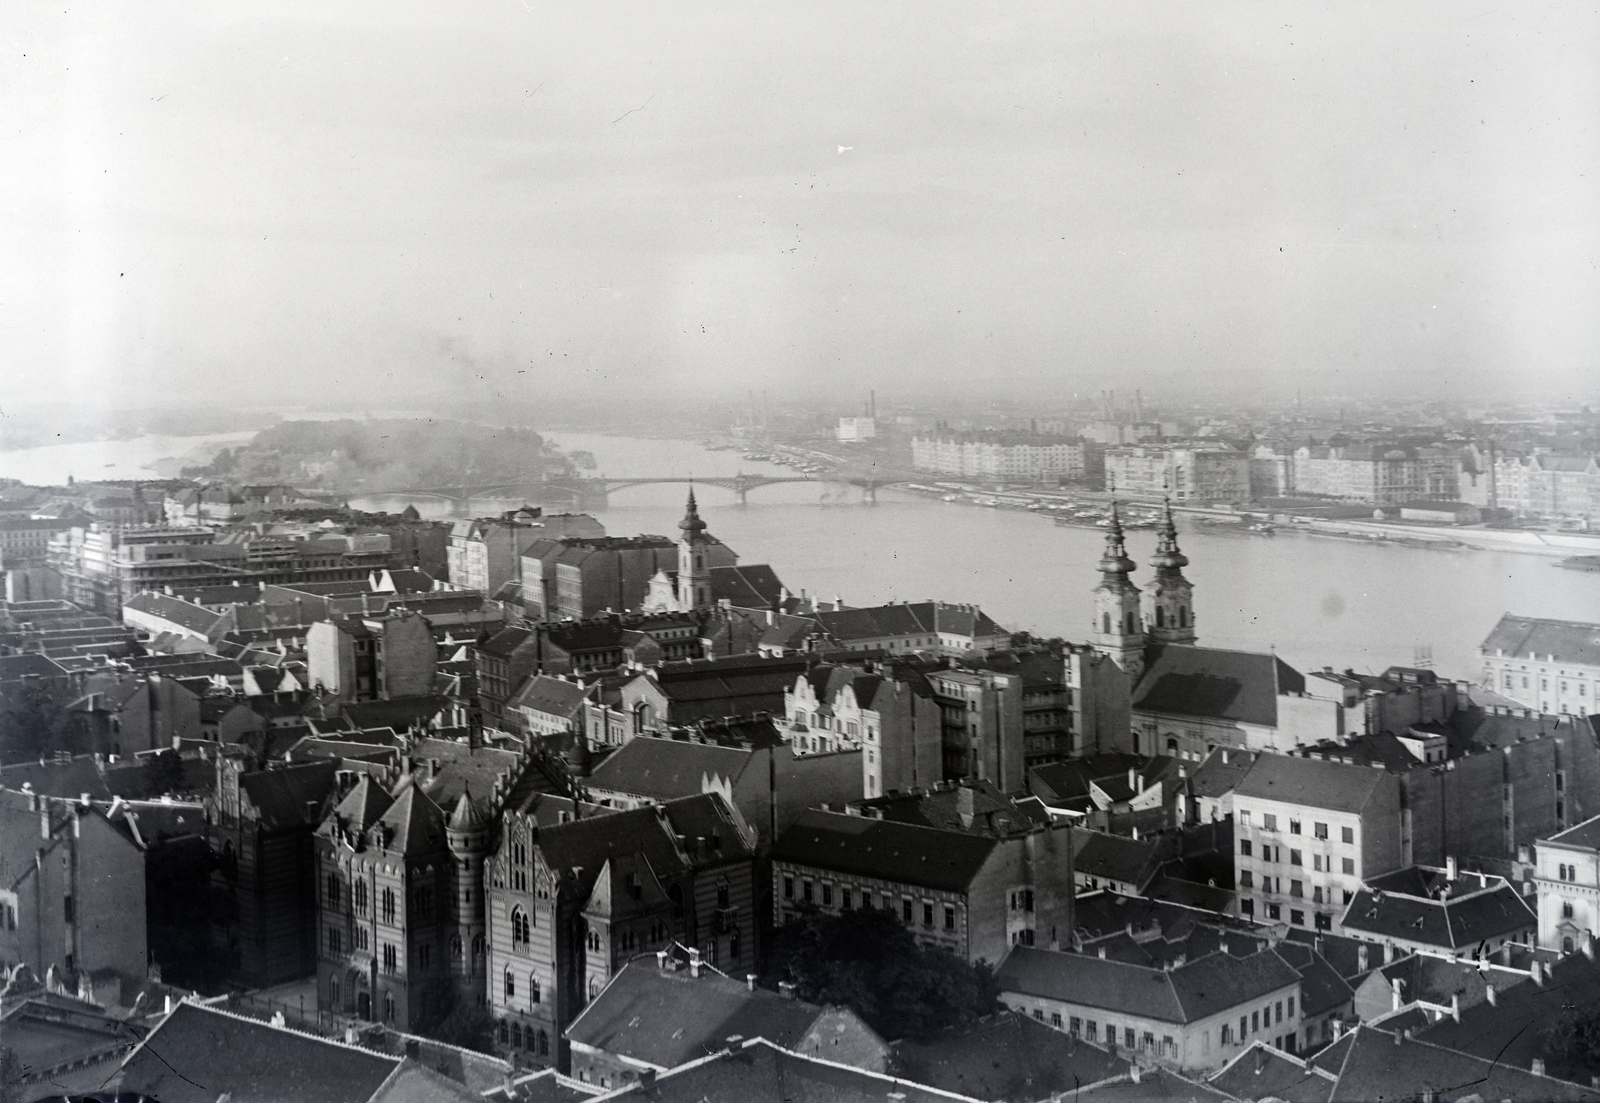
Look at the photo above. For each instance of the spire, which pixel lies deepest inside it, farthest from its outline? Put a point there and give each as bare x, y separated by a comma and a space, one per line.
1168, 559
466, 816
691, 524
1114, 563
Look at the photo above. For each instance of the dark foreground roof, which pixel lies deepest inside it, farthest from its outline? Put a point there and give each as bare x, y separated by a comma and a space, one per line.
892, 851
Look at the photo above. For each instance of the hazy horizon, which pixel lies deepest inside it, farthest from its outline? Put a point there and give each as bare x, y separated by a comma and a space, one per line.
294, 203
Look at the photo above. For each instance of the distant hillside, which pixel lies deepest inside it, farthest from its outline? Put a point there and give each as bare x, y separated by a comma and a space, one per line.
386, 455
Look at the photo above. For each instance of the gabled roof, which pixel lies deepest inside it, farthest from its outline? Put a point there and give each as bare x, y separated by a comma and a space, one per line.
666, 1018
757, 1070
1183, 994
1240, 686
898, 852
1115, 857
587, 844
1458, 922
413, 824
1260, 1071
1312, 782
664, 769
362, 805
751, 586
1377, 1066
1569, 641
550, 695
291, 795
990, 1057
200, 1054
924, 618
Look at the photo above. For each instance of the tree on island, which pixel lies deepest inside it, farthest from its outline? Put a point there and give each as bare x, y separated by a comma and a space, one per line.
867, 961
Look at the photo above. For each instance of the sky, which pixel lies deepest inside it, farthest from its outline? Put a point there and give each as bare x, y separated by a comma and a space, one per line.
402, 202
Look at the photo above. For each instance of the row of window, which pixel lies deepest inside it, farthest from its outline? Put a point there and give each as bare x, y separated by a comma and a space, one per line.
1320, 920
1544, 684
1567, 873
358, 898
535, 1042
1258, 1021
1269, 822
1319, 863
848, 898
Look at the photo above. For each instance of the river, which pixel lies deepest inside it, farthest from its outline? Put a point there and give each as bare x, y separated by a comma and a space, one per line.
1317, 601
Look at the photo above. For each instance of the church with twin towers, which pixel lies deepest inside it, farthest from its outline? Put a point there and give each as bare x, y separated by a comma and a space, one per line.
1128, 622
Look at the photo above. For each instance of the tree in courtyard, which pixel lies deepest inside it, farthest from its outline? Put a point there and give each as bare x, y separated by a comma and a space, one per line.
1573, 1037
869, 962
446, 1016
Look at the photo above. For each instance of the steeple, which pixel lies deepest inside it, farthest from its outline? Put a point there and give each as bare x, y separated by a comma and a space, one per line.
1117, 630
694, 576
1169, 600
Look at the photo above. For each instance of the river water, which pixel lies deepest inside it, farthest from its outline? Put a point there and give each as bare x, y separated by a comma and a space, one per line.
1318, 601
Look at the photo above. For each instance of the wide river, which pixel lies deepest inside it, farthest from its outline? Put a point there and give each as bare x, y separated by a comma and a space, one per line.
1317, 601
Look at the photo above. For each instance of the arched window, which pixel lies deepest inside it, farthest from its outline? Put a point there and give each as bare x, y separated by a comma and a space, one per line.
1129, 620
511, 985
1161, 617
333, 890
388, 1006
516, 1035
1183, 617
544, 1044
505, 1032
359, 891
733, 940
455, 949
388, 905
1172, 746
722, 894
533, 988
594, 985
1105, 623
519, 927
477, 950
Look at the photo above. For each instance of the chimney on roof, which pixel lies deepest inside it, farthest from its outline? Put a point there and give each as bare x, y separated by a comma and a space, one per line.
1491, 995
694, 962
1362, 963
1102, 953
1388, 952
1455, 1006
786, 989
1538, 1066
1451, 872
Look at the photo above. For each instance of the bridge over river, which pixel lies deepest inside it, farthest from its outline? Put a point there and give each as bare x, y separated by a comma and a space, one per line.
595, 493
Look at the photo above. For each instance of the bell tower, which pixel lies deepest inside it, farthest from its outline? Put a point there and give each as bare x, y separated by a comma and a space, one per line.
1117, 630
694, 577
467, 835
1169, 600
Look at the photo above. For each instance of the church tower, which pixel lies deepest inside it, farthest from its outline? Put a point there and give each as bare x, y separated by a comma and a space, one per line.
467, 835
1117, 631
1169, 600
694, 576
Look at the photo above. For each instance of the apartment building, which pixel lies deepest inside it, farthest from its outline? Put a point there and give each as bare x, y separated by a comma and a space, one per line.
1307, 834
1549, 665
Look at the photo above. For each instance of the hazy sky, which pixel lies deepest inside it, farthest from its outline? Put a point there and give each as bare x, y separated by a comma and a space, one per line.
263, 201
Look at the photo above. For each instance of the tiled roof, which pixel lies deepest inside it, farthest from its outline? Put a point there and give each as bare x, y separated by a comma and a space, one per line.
196, 618
1585, 835
504, 642
586, 844
664, 769
291, 795
550, 695
199, 1055
1311, 782
892, 851
1457, 923
1263, 1072
759, 1071
1378, 1067
1115, 857
666, 1018
413, 824
1184, 994
990, 1057
1241, 686
1570, 641
923, 618
752, 586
